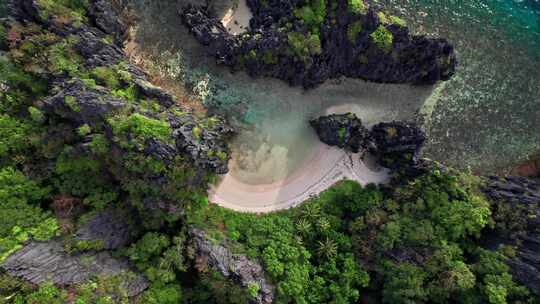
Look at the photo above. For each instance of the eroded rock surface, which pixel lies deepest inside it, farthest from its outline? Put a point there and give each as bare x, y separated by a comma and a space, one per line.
113, 229
236, 267
39, 262
346, 46
398, 144
517, 217
342, 130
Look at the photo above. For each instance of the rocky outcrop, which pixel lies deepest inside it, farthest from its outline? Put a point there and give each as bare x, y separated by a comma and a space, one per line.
342, 130
111, 228
278, 45
77, 102
40, 262
105, 18
236, 267
398, 144
516, 208
206, 144
514, 190
74, 101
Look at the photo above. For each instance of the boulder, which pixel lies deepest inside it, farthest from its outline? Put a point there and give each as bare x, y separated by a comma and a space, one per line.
234, 266
40, 262
105, 18
74, 101
342, 130
112, 228
398, 144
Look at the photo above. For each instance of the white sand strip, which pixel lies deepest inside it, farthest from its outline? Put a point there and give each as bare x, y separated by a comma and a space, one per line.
329, 166
236, 19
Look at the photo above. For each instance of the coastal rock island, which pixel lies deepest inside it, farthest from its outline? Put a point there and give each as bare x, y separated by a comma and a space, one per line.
308, 42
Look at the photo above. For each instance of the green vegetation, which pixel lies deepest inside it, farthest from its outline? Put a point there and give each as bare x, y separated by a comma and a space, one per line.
22, 217
353, 30
13, 135
304, 46
383, 38
391, 19
312, 14
398, 21
65, 10
357, 6
140, 128
350, 228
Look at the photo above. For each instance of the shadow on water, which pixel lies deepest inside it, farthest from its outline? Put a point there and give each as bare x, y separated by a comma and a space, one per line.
275, 138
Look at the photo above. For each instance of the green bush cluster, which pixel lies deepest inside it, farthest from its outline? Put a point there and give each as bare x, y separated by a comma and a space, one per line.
313, 14
304, 46
69, 10
22, 216
391, 19
383, 38
357, 6
140, 128
18, 89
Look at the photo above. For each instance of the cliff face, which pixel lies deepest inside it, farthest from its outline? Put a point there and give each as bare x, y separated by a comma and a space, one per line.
236, 267
359, 44
517, 217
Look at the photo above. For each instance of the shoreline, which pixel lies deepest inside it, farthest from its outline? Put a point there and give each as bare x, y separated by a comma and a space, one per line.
329, 166
236, 19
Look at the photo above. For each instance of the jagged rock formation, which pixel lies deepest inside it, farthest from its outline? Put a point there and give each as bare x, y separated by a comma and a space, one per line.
72, 100
517, 216
345, 46
397, 145
236, 267
40, 262
111, 228
342, 130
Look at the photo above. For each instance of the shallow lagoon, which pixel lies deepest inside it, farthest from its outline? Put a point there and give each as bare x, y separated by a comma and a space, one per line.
486, 117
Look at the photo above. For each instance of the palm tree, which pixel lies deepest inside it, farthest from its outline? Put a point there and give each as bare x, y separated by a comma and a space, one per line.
323, 224
303, 226
327, 248
311, 211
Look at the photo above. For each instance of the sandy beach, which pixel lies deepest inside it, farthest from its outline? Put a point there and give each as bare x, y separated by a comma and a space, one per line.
329, 166
236, 18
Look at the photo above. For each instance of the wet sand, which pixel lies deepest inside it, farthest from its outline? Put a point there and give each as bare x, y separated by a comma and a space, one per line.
236, 19
329, 166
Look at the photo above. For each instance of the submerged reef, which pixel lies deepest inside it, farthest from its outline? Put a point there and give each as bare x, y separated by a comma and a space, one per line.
308, 42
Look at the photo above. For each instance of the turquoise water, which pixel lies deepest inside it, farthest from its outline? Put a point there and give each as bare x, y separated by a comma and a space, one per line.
488, 116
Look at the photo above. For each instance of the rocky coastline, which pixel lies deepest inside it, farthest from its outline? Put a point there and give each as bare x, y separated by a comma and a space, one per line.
285, 42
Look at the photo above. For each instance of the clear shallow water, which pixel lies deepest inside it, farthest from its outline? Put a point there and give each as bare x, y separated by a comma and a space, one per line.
485, 117
488, 115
